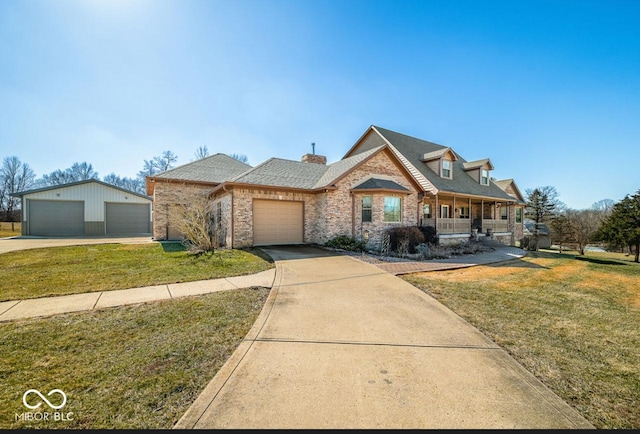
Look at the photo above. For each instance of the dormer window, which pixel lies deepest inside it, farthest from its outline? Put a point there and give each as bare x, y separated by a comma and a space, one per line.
446, 168
479, 170
484, 178
441, 161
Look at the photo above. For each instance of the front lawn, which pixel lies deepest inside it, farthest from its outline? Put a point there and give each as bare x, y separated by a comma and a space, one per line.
574, 322
129, 367
76, 269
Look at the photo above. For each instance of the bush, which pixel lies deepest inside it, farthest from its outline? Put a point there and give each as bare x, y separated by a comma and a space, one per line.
345, 242
404, 239
429, 234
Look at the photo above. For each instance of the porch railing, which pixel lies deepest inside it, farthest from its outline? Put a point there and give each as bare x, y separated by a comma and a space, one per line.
463, 226
495, 225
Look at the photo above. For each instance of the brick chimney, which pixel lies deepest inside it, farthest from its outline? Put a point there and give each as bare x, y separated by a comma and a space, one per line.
313, 158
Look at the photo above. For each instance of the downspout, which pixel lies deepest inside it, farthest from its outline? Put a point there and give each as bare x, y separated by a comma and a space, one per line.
353, 215
166, 227
233, 233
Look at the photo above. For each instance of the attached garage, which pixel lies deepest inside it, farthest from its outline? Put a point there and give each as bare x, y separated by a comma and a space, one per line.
277, 222
83, 208
56, 217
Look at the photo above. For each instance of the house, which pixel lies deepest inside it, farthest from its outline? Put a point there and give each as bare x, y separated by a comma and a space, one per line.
88, 207
529, 238
385, 179
169, 187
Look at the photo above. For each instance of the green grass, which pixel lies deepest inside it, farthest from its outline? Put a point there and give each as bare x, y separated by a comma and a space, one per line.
88, 268
575, 324
128, 367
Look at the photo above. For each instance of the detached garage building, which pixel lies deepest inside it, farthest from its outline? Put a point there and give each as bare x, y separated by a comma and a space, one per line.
89, 207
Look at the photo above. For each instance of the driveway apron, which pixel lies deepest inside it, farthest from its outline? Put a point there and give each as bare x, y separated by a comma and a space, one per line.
343, 344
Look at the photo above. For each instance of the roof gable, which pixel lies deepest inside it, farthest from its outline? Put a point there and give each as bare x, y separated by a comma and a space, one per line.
510, 187
440, 153
472, 165
76, 183
414, 149
380, 184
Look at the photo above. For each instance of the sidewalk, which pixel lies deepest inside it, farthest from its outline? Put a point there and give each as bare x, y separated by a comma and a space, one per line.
45, 306
500, 254
37, 307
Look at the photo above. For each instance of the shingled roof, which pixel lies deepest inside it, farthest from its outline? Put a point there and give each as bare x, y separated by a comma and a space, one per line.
278, 172
380, 184
414, 149
213, 169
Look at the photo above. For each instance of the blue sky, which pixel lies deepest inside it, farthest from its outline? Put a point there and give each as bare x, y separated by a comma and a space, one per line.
548, 90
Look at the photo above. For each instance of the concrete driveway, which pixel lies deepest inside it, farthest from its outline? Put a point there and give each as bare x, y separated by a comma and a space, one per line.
23, 243
343, 344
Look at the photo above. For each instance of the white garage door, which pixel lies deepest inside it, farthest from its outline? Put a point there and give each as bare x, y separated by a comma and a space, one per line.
127, 218
277, 222
56, 218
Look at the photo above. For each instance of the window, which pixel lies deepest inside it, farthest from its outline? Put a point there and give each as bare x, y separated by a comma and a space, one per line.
464, 212
444, 211
426, 211
392, 207
366, 208
503, 213
446, 168
518, 215
484, 180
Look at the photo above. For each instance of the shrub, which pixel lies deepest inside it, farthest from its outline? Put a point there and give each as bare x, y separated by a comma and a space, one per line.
429, 234
404, 239
346, 242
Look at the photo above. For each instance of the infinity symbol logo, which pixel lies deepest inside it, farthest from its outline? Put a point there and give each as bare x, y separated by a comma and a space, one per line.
33, 407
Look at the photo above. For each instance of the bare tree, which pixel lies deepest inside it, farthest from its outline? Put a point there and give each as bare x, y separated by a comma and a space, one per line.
165, 161
148, 169
584, 224
77, 172
157, 164
15, 177
193, 217
603, 206
201, 152
240, 157
132, 184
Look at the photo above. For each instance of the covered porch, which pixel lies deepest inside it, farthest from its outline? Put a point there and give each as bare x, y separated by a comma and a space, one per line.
466, 215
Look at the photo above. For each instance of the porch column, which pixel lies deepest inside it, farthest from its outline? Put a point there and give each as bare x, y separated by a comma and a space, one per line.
454, 214
470, 216
435, 215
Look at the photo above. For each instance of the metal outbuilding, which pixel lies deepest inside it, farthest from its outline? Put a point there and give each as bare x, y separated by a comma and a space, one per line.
88, 207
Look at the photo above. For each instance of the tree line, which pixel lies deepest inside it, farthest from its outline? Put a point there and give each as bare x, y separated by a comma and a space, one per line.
616, 225
17, 176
